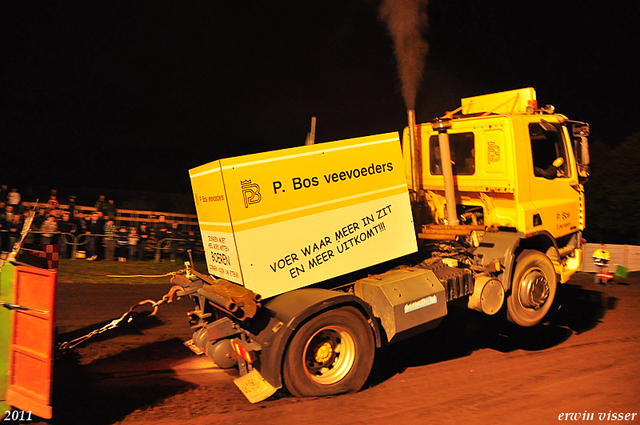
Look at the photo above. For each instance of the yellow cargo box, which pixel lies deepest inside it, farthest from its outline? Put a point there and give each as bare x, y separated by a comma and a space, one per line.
282, 220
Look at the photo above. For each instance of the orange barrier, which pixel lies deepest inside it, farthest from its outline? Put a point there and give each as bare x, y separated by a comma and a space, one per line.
32, 336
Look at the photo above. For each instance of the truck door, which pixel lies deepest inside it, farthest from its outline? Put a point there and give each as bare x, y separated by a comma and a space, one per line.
554, 182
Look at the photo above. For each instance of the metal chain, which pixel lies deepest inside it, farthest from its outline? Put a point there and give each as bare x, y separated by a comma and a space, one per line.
128, 317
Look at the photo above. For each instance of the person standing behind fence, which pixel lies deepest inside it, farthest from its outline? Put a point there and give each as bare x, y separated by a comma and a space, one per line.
174, 233
6, 218
80, 229
161, 230
66, 228
81, 223
133, 242
53, 203
111, 209
110, 239
38, 221
123, 244
15, 229
48, 228
4, 192
72, 207
143, 234
101, 205
8, 213
14, 198
94, 229
39, 218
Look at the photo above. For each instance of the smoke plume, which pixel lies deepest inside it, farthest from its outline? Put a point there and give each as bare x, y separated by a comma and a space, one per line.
407, 19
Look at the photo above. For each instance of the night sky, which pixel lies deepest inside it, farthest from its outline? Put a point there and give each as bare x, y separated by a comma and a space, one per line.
130, 95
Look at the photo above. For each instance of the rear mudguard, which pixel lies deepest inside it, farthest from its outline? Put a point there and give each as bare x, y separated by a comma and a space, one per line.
277, 320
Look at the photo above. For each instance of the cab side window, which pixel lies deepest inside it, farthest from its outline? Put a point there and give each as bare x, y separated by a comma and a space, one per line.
462, 154
548, 150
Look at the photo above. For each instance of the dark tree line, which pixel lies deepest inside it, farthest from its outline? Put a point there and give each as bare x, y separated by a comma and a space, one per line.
613, 192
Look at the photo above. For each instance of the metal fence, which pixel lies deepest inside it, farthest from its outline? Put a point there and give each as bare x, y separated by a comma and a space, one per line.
132, 218
72, 244
128, 218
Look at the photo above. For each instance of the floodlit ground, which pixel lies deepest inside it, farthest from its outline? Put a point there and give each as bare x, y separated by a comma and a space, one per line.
473, 369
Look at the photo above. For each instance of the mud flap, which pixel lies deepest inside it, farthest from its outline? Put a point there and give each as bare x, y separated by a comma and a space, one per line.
32, 341
254, 387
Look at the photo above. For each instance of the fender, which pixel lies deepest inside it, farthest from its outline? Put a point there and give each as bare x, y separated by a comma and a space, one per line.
503, 246
540, 241
282, 315
500, 246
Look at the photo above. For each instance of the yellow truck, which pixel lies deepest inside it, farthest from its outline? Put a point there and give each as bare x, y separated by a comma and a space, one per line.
320, 254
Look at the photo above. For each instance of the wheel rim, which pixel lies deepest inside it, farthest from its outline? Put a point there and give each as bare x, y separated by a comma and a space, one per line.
329, 355
534, 289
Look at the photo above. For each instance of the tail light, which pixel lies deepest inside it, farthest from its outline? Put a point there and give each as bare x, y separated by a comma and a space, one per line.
242, 352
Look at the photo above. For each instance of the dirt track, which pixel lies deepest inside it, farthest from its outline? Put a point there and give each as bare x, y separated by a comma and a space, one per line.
473, 369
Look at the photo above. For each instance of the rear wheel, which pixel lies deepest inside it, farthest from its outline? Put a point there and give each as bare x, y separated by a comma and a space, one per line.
330, 354
533, 289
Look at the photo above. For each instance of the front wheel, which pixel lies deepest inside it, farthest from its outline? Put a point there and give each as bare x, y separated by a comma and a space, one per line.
533, 289
330, 354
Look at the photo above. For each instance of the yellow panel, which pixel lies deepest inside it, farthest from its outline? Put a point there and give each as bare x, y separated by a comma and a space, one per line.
209, 194
507, 102
215, 222
306, 214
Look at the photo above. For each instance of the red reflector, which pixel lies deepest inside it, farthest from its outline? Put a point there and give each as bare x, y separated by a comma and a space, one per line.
241, 351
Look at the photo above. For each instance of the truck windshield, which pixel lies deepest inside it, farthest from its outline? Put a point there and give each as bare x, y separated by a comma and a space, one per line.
462, 154
548, 151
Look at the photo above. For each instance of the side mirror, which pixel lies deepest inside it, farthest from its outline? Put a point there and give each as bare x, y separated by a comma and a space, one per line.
581, 130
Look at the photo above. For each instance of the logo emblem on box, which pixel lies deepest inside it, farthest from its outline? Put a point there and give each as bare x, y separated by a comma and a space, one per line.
250, 193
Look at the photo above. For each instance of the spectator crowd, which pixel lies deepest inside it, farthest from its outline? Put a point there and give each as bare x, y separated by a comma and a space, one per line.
63, 225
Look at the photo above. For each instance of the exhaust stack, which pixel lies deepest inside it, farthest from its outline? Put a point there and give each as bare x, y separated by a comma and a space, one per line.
415, 155
311, 135
442, 125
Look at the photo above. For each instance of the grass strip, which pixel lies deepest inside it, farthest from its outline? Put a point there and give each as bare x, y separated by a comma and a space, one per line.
84, 271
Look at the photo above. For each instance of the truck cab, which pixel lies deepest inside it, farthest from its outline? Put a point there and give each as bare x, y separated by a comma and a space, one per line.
517, 175
516, 169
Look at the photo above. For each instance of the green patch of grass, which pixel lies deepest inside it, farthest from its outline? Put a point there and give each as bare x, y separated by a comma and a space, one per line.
131, 272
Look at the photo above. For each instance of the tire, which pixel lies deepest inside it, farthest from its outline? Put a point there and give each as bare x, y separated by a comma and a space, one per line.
330, 354
533, 289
